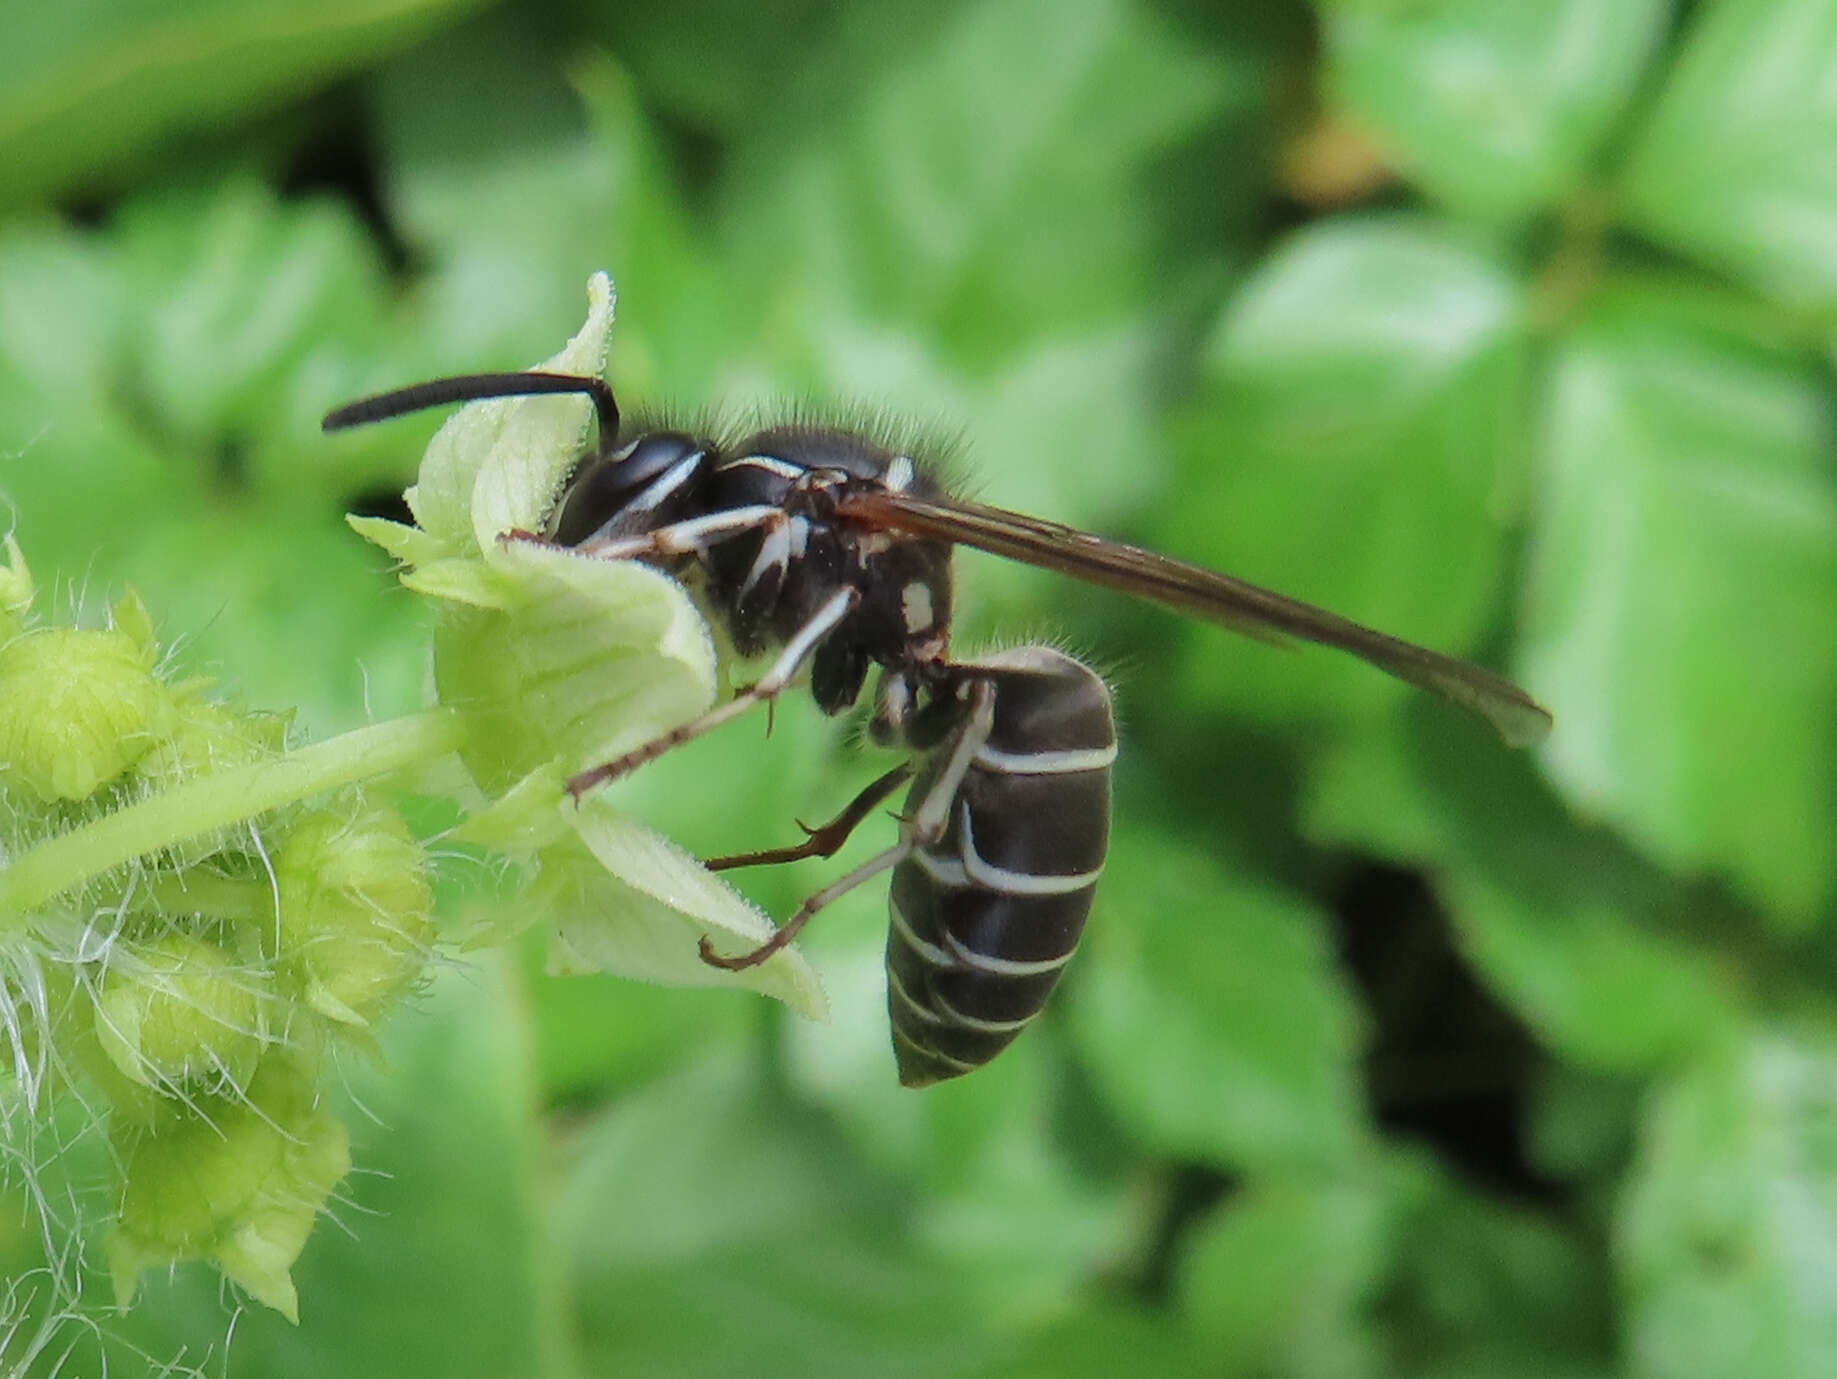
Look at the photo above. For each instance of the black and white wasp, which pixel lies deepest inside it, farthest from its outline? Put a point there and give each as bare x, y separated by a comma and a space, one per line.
834, 550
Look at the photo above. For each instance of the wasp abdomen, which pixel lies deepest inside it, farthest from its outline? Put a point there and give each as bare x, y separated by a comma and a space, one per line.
985, 919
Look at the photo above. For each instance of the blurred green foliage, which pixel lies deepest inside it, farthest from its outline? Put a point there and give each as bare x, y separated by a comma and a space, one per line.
1506, 327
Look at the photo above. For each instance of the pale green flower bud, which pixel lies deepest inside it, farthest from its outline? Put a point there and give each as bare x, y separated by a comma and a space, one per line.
356, 910
181, 1016
201, 737
238, 1182
78, 707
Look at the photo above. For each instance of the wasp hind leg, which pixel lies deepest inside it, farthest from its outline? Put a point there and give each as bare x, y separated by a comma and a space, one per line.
922, 828
827, 840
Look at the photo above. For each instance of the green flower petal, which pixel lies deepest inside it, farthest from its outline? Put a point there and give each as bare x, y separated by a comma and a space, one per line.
634, 904
497, 466
594, 658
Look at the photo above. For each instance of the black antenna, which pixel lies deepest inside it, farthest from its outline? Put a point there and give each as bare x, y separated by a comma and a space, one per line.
473, 387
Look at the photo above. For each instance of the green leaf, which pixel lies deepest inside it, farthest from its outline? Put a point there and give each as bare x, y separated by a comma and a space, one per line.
1101, 1339
1582, 1125
63, 315
600, 1034
1728, 1228
1354, 447
1681, 591
1278, 1280
263, 586
1734, 165
1496, 107
719, 65
492, 173
235, 293
1516, 1288
86, 88
990, 161
78, 480
711, 1230
1588, 945
1212, 1015
335, 647
1005, 1206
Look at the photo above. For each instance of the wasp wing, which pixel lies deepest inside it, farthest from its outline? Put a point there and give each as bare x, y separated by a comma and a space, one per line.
1236, 604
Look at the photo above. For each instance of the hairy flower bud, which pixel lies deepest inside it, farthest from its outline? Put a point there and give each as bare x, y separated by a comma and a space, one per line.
356, 910
180, 1015
238, 1182
78, 707
202, 736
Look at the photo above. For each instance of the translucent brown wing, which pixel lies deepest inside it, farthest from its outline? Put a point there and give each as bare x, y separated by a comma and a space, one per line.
1517, 717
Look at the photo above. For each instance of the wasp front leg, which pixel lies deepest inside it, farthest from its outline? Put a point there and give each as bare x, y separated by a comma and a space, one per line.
772, 684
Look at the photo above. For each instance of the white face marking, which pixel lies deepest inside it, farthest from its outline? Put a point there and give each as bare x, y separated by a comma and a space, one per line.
899, 473
915, 606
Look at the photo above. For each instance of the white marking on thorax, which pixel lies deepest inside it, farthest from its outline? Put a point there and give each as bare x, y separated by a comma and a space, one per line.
774, 550
915, 606
899, 473
784, 469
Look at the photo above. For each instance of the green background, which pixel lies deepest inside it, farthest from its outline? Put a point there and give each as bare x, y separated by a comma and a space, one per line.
1504, 326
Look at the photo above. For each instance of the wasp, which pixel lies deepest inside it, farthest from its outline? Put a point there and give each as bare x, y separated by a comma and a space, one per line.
834, 550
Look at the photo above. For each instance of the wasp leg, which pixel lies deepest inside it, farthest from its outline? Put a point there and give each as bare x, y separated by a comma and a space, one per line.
770, 686
689, 537
827, 840
923, 827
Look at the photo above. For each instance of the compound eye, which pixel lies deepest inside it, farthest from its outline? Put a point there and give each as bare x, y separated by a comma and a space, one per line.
642, 485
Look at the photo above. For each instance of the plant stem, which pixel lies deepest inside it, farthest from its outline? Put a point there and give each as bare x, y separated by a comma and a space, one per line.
218, 801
